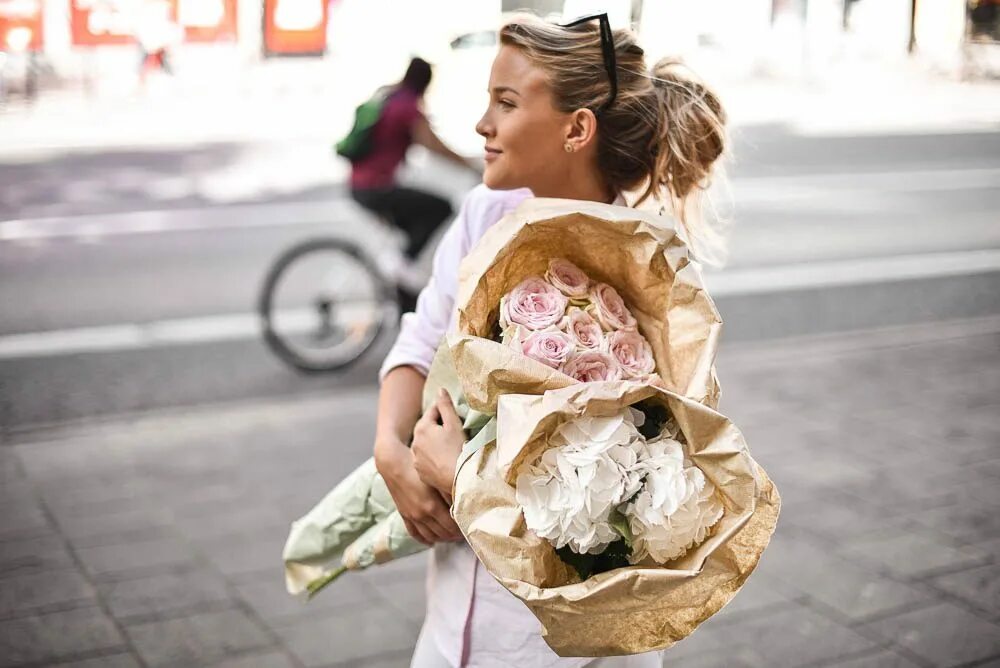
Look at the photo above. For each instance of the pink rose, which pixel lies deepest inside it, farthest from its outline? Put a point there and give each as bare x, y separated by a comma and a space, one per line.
534, 304
632, 352
590, 366
568, 278
583, 329
609, 308
551, 348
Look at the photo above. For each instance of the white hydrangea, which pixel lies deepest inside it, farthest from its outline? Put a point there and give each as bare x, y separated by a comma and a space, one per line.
677, 506
589, 470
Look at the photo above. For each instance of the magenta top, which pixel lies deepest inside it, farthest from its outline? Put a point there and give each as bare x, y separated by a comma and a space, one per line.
391, 137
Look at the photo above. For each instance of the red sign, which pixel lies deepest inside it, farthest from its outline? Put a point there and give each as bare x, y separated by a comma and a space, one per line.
99, 22
207, 20
21, 25
295, 26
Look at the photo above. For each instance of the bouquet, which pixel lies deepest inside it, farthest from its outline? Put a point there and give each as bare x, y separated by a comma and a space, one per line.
622, 514
559, 294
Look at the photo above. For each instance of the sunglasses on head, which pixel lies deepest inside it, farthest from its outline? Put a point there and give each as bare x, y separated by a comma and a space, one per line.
607, 48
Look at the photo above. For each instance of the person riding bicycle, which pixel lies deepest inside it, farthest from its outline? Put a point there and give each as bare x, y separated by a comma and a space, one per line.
401, 122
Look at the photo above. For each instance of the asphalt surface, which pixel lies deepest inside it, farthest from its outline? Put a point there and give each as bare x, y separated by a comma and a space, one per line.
98, 239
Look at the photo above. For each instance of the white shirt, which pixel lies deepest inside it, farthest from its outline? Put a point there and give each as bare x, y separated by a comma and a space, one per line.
472, 619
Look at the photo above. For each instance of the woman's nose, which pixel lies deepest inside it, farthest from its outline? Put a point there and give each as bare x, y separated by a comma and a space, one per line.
483, 127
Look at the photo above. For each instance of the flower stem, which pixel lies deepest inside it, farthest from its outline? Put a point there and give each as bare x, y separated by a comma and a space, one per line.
318, 584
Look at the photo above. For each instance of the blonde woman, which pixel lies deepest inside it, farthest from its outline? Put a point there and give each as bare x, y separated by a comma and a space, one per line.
573, 113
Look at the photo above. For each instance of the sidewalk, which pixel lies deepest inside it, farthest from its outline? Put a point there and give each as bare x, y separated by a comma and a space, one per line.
315, 99
156, 541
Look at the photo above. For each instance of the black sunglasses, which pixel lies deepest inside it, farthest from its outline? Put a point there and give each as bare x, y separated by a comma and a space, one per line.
607, 48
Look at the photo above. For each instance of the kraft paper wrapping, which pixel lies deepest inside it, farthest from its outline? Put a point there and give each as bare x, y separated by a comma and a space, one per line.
639, 253
629, 610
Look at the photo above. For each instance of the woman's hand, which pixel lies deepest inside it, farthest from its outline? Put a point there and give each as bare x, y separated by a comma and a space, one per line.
425, 513
438, 438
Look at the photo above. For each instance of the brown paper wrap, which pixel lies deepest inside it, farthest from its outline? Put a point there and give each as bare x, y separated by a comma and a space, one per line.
637, 252
628, 610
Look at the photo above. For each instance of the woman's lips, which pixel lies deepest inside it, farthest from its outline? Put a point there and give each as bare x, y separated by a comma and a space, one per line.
491, 154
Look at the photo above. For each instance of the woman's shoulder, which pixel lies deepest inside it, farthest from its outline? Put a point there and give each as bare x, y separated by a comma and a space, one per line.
484, 206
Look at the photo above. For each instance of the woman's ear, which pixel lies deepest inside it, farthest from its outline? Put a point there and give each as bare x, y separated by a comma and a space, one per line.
581, 130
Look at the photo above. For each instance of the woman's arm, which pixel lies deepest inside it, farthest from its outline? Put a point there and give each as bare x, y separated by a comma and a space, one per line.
425, 136
423, 509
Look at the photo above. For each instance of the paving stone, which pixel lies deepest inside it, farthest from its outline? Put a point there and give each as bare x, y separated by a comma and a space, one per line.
881, 659
111, 661
790, 636
261, 660
103, 529
268, 598
245, 556
854, 591
351, 636
944, 634
44, 590
964, 522
124, 559
57, 635
408, 597
33, 555
164, 594
913, 554
197, 639
24, 520
979, 586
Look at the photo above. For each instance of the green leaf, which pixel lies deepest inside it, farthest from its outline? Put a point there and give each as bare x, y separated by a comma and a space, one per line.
620, 524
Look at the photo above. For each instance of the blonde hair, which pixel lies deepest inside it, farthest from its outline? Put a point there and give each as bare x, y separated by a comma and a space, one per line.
661, 137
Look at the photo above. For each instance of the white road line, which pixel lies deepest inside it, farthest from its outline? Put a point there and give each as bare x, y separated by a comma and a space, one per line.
245, 326
246, 216
860, 271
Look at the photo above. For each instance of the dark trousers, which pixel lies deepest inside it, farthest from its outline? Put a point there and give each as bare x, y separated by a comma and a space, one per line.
416, 212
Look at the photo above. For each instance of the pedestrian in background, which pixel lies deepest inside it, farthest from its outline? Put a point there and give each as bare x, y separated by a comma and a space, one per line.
419, 214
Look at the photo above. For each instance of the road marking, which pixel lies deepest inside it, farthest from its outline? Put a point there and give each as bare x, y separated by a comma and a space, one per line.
246, 216
811, 275
734, 283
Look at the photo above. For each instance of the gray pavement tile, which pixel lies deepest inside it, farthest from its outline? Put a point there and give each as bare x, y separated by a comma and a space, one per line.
944, 634
57, 635
710, 658
91, 496
123, 560
33, 555
758, 593
104, 529
409, 597
978, 586
963, 521
881, 659
821, 467
354, 635
257, 660
789, 636
24, 520
267, 597
110, 661
214, 523
913, 554
853, 591
165, 594
63, 588
200, 639
239, 557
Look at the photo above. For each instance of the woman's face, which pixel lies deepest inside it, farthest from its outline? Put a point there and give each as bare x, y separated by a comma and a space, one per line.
524, 132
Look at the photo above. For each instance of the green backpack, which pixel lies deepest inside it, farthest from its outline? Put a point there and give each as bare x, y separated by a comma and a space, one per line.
358, 142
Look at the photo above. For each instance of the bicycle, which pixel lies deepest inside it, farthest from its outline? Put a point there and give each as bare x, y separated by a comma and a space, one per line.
324, 302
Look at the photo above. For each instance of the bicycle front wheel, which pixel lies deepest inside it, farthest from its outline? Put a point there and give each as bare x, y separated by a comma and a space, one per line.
323, 305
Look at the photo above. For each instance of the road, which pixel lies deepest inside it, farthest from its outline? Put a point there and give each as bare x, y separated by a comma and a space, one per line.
830, 234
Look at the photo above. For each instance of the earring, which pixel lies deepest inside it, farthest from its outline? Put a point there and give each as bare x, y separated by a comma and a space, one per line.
568, 147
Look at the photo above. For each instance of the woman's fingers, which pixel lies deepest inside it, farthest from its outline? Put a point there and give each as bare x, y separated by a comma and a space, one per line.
416, 533
446, 409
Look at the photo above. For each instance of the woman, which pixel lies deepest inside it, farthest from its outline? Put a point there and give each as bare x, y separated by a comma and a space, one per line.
373, 177
566, 119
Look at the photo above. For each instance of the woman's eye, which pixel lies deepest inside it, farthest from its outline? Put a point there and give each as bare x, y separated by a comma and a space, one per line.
506, 104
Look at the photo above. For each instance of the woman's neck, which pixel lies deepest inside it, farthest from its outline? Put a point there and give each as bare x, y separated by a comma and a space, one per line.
583, 186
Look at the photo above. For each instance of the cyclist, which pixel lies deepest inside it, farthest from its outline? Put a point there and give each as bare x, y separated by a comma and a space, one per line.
373, 177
